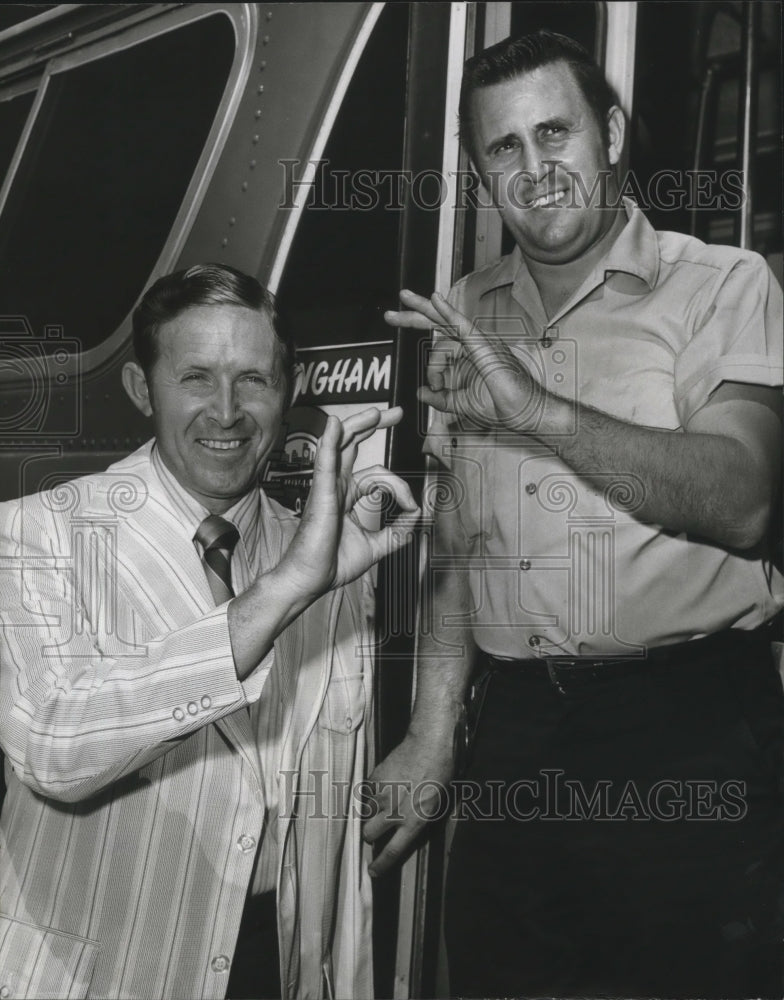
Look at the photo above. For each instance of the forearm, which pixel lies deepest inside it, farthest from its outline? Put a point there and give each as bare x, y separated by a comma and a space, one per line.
260, 614
705, 484
447, 651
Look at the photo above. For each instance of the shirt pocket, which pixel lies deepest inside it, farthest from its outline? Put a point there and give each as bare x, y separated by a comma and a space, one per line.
344, 704
44, 962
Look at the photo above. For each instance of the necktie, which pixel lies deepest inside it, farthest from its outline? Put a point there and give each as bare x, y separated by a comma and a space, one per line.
217, 538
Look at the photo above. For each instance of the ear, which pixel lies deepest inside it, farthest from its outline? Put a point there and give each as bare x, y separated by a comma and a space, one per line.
616, 129
135, 384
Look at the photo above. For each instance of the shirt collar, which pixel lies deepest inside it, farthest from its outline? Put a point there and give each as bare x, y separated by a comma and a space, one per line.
635, 252
244, 514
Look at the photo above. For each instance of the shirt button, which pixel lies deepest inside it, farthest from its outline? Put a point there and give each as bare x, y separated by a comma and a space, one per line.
178, 714
535, 641
349, 722
453, 442
246, 843
206, 701
220, 963
193, 708
530, 488
525, 564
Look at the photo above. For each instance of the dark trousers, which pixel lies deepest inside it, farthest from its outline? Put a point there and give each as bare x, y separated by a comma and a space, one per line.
255, 967
624, 835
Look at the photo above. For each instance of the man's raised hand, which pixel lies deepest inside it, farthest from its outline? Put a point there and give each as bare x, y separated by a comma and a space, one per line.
473, 374
331, 546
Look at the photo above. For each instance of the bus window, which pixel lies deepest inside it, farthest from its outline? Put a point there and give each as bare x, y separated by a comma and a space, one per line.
685, 146
102, 177
342, 270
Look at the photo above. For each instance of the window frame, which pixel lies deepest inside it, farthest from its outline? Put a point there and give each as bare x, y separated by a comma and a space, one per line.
119, 37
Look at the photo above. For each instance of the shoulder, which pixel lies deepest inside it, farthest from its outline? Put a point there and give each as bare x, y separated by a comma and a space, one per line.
677, 249
473, 286
117, 489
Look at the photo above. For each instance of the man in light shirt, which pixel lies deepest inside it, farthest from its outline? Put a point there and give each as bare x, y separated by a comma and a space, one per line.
608, 435
158, 730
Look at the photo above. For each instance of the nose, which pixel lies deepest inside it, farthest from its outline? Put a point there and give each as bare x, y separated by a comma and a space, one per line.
224, 405
536, 165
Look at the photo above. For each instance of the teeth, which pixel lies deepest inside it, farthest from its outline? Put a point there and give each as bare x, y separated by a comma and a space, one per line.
220, 445
545, 199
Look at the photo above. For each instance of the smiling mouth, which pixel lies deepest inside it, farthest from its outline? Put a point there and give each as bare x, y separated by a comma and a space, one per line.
219, 445
546, 200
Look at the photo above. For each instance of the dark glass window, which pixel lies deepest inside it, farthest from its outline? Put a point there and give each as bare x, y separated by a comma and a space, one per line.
687, 118
13, 115
103, 176
576, 19
343, 266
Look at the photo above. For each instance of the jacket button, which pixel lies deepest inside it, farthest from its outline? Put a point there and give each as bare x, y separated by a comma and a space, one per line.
4, 992
535, 641
220, 963
530, 488
525, 564
246, 843
178, 714
206, 701
193, 708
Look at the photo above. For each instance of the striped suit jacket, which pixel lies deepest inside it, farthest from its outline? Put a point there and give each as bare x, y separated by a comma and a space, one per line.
137, 778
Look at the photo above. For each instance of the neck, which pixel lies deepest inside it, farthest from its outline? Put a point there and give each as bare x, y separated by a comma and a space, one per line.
557, 282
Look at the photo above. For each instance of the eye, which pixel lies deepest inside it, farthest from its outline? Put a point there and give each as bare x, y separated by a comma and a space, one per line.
505, 146
194, 377
255, 379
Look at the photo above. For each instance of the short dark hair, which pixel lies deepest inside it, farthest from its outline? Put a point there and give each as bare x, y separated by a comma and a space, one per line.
203, 285
515, 57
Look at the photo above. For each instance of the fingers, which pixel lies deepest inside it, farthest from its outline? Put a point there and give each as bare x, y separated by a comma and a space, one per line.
439, 399
326, 453
378, 477
401, 843
360, 426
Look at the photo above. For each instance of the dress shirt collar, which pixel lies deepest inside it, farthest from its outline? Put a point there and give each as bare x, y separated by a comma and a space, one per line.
244, 514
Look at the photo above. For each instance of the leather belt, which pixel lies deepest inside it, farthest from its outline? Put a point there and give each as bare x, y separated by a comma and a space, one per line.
579, 669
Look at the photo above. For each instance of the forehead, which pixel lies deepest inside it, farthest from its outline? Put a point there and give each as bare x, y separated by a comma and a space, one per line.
219, 336
529, 99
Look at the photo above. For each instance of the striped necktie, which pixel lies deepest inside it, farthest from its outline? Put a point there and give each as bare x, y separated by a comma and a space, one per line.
217, 538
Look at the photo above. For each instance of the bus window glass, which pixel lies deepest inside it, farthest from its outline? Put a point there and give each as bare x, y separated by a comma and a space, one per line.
576, 19
13, 115
342, 269
685, 150
110, 156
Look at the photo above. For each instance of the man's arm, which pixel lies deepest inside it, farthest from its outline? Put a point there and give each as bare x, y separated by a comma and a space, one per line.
717, 479
444, 664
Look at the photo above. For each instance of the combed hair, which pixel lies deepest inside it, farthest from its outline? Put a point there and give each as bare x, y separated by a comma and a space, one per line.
203, 285
514, 57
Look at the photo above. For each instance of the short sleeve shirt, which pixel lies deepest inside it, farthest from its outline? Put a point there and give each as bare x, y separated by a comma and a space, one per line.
558, 565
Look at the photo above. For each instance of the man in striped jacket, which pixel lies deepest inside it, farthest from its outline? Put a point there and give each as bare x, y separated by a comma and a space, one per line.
175, 754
